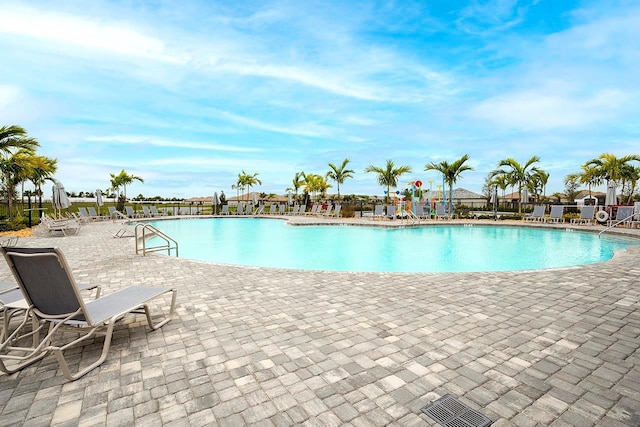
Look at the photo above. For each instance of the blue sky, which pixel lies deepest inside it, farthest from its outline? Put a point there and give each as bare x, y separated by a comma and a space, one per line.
188, 94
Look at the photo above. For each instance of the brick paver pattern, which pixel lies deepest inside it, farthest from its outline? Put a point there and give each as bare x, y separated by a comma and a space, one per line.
273, 347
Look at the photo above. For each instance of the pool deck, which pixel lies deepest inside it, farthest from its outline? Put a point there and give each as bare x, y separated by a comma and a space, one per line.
274, 347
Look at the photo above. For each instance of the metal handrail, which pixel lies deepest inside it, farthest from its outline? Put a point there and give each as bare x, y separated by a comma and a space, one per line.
141, 240
618, 222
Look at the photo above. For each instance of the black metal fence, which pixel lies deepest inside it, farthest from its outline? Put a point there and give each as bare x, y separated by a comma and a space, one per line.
28, 212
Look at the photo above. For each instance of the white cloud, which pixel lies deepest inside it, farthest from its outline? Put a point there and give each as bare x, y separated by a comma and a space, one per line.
548, 109
9, 94
81, 31
163, 142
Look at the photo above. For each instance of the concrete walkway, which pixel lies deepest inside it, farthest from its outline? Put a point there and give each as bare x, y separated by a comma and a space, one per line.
257, 346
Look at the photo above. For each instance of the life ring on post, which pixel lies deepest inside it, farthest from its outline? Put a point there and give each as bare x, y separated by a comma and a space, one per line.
602, 216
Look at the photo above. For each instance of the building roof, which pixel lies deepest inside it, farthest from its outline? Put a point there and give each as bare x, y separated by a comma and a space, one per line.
462, 193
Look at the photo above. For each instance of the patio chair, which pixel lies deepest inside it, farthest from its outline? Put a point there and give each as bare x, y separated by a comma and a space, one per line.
93, 214
146, 212
225, 210
260, 210
587, 215
441, 212
60, 226
54, 303
83, 214
154, 211
537, 214
391, 211
556, 215
130, 212
12, 303
378, 212
336, 211
624, 216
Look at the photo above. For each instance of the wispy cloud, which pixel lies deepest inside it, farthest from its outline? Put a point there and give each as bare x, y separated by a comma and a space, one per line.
197, 91
154, 140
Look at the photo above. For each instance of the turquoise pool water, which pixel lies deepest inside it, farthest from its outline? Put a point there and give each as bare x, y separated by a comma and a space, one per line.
273, 243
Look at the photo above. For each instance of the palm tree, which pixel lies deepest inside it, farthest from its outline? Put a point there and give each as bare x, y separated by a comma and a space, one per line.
246, 180
502, 182
15, 137
538, 183
633, 178
589, 175
15, 169
43, 168
122, 180
388, 175
617, 169
451, 172
518, 174
314, 183
339, 174
298, 181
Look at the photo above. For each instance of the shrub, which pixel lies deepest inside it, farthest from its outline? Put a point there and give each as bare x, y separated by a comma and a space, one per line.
348, 211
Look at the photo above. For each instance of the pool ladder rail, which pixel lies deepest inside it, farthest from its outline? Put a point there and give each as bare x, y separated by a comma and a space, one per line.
617, 222
143, 232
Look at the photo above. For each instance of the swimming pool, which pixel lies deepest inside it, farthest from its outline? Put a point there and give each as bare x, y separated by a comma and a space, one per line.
452, 248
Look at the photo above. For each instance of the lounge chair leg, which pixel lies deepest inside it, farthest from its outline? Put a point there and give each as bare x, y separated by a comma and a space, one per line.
147, 312
62, 362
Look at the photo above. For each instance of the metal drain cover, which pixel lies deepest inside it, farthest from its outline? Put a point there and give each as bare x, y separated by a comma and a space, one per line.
450, 412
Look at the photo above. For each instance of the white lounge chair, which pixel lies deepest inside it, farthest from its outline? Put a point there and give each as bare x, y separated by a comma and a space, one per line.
131, 213
537, 214
83, 214
56, 306
60, 226
587, 215
378, 212
154, 211
391, 211
556, 215
624, 217
441, 212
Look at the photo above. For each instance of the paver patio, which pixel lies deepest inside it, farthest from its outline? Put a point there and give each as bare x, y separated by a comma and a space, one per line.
258, 346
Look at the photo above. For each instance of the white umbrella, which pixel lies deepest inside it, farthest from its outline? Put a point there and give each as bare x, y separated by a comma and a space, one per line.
610, 199
255, 198
289, 199
99, 201
60, 199
524, 197
216, 202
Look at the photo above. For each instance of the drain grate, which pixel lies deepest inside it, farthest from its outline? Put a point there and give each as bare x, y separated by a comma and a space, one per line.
450, 412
